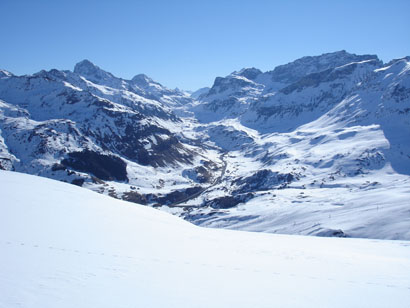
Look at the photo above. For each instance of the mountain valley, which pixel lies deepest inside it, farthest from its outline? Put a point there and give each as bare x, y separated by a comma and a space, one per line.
319, 146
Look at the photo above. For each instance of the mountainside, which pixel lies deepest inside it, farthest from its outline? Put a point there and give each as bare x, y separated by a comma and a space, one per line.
285, 90
326, 155
63, 246
90, 128
318, 146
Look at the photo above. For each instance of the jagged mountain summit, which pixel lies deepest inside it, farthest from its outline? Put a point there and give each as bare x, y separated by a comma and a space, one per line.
256, 97
318, 146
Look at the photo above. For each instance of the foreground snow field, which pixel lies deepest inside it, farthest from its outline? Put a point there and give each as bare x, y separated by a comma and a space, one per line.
65, 246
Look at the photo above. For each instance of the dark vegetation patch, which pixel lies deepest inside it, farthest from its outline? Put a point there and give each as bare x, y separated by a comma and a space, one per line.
178, 196
172, 198
104, 167
228, 202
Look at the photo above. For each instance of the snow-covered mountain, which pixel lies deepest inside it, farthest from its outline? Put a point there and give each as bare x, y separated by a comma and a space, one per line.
63, 246
310, 84
328, 154
91, 128
318, 146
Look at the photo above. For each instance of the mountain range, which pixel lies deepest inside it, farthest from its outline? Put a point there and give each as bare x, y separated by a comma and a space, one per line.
319, 146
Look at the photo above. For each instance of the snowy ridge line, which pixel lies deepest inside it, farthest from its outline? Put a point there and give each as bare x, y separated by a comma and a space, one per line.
187, 262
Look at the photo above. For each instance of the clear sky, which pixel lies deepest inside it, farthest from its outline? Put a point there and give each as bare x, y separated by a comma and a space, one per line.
186, 44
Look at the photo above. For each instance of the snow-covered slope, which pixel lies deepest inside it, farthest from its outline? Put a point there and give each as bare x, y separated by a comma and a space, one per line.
63, 246
200, 92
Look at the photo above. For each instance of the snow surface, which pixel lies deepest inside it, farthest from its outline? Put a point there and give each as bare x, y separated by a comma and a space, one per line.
63, 246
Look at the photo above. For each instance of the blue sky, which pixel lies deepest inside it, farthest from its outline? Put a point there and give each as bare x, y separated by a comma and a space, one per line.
186, 44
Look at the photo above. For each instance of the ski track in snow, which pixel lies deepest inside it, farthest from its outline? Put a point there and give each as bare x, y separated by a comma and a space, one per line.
187, 263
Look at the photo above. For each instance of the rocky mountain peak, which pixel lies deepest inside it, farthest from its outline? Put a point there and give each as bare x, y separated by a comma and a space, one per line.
53, 74
4, 73
401, 63
91, 71
249, 73
142, 80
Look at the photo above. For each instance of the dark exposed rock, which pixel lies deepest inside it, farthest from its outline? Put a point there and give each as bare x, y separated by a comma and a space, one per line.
105, 167
292, 72
329, 75
250, 73
400, 93
133, 196
78, 182
223, 84
58, 167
